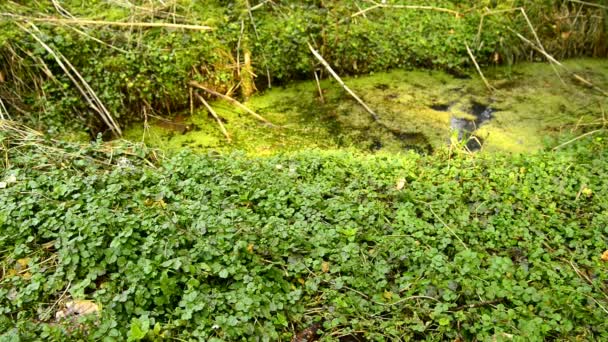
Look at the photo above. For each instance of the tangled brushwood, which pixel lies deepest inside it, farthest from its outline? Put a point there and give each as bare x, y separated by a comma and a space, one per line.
66, 66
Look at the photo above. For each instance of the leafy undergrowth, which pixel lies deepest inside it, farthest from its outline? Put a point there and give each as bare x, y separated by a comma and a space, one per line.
231, 247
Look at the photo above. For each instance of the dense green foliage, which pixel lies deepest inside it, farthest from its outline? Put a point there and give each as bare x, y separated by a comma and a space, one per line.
442, 247
143, 70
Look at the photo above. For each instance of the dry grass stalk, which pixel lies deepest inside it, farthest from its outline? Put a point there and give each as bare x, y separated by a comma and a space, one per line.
412, 7
260, 4
257, 37
319, 87
76, 21
217, 118
80, 83
577, 138
552, 59
97, 40
231, 100
3, 111
339, 80
586, 3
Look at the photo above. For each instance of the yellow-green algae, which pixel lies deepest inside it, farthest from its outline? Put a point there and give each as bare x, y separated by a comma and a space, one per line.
532, 105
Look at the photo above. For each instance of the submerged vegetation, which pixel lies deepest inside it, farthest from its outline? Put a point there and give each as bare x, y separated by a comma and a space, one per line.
420, 110
196, 170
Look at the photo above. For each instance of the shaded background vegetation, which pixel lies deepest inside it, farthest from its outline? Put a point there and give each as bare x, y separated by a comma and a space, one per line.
137, 71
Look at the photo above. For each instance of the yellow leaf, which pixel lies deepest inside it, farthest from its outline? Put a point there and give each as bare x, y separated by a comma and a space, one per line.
587, 192
250, 248
605, 256
301, 281
388, 295
400, 183
325, 266
22, 264
78, 308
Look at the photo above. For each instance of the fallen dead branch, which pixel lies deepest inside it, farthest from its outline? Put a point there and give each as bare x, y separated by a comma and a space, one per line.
485, 81
217, 118
339, 80
231, 100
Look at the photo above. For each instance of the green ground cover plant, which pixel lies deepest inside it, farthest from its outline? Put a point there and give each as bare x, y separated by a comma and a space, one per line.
228, 247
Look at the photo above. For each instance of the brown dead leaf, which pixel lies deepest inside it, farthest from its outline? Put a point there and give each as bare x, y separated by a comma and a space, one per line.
325, 266
605, 256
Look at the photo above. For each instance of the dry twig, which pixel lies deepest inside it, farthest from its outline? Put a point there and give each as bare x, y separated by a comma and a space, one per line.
339, 80
217, 118
490, 88
231, 100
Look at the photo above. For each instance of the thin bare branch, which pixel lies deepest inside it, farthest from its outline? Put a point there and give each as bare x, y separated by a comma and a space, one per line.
217, 118
231, 100
339, 80
485, 81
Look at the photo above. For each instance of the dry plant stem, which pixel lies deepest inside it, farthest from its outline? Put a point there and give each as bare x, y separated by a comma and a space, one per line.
586, 3
553, 60
339, 80
485, 81
260, 5
412, 7
257, 37
577, 138
231, 100
61, 21
217, 118
3, 111
530, 26
447, 227
97, 40
82, 86
540, 44
319, 87
238, 50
